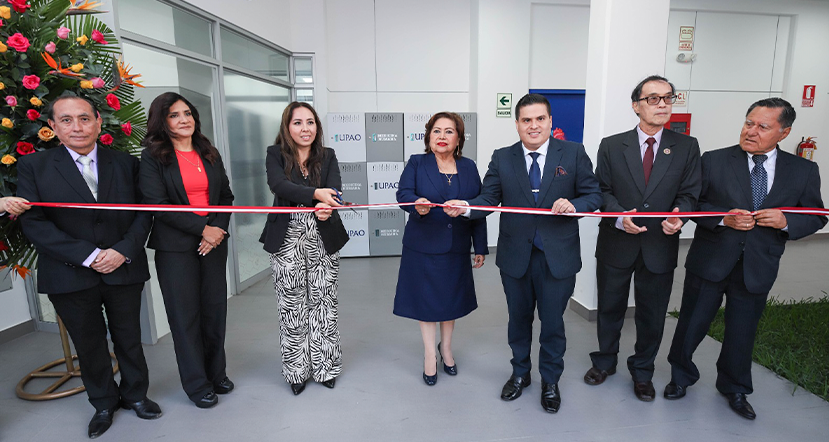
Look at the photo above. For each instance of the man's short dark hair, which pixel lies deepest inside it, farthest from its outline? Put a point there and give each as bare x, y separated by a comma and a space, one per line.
637, 91
530, 99
50, 110
787, 113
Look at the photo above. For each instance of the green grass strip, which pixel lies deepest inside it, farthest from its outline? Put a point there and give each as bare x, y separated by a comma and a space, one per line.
792, 341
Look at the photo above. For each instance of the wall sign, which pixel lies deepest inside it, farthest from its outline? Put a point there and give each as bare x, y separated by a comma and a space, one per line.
503, 105
686, 38
808, 96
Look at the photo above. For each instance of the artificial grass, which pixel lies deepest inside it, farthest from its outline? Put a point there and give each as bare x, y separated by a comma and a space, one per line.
792, 341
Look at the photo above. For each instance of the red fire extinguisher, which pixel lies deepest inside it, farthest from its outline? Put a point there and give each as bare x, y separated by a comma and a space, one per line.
806, 148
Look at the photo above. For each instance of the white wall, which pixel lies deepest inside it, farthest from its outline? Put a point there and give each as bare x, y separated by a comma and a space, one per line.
269, 19
15, 304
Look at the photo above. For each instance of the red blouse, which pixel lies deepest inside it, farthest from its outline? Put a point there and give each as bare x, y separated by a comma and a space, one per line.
195, 179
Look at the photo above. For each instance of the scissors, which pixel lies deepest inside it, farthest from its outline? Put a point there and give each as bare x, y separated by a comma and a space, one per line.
339, 198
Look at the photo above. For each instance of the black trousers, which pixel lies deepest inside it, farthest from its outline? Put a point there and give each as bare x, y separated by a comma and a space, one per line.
82, 316
537, 287
195, 296
651, 292
700, 301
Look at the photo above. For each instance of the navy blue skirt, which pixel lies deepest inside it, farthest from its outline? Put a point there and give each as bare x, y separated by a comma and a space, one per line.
434, 287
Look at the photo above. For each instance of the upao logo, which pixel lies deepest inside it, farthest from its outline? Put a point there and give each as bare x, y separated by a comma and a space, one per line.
353, 233
385, 185
416, 136
345, 138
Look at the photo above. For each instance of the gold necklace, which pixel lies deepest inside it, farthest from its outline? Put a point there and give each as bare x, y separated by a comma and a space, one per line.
197, 165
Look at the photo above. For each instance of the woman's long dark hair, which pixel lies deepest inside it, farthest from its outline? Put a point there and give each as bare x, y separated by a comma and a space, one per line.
289, 149
157, 141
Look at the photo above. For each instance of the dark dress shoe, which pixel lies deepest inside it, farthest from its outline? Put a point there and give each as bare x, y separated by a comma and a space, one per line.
514, 387
208, 400
644, 391
224, 386
101, 421
596, 376
674, 391
739, 403
145, 408
298, 388
451, 370
433, 379
550, 397
330, 383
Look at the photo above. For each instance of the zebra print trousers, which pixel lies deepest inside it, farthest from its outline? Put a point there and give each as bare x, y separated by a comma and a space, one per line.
305, 280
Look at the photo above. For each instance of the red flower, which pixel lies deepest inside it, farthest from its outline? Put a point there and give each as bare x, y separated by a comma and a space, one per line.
113, 101
107, 139
127, 128
24, 148
32, 114
31, 81
20, 5
18, 42
98, 37
3, 246
558, 134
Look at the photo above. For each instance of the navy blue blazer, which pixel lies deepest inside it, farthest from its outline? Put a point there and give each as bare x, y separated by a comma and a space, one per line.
726, 185
436, 232
568, 173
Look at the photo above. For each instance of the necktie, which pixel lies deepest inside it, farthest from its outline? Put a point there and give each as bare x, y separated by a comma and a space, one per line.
647, 161
759, 181
535, 184
88, 176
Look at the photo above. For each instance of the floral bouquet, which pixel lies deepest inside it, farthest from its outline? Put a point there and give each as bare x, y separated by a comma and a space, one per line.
50, 48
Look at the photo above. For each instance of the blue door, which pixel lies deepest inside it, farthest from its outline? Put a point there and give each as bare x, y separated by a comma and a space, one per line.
567, 108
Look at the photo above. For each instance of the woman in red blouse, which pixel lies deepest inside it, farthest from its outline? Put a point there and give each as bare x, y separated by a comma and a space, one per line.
180, 166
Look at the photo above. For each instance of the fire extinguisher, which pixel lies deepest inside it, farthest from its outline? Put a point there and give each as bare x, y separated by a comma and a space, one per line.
806, 148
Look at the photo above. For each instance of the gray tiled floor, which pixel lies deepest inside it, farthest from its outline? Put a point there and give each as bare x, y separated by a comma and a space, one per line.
381, 396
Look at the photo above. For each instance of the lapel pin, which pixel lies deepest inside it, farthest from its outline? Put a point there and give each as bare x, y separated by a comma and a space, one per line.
667, 151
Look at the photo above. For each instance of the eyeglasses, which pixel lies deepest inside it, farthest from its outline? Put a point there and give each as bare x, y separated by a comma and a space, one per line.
653, 100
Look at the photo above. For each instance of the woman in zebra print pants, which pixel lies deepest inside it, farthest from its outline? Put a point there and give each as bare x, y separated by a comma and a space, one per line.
304, 248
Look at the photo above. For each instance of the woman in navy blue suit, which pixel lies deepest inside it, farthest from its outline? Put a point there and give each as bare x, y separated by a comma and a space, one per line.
435, 280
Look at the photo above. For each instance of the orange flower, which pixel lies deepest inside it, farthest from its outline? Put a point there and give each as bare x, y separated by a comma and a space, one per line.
22, 271
82, 39
85, 6
8, 160
124, 75
86, 84
8, 124
36, 102
5, 12
45, 134
76, 67
57, 66
3, 48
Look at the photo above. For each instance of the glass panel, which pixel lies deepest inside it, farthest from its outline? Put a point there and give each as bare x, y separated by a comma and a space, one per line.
167, 24
304, 70
306, 95
246, 53
254, 110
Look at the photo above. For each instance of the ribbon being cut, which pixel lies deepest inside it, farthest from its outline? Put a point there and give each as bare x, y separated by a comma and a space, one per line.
522, 210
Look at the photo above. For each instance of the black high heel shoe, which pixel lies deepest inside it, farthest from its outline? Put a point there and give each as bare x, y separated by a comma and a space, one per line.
451, 370
298, 388
433, 379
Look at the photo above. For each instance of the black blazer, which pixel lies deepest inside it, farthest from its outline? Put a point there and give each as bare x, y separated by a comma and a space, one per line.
288, 193
181, 231
568, 173
726, 185
675, 181
64, 238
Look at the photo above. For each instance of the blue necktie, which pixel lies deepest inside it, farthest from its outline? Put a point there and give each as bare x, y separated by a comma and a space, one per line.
535, 185
759, 181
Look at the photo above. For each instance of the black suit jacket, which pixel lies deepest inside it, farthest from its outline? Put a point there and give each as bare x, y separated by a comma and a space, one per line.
726, 185
675, 181
64, 238
162, 184
287, 193
507, 182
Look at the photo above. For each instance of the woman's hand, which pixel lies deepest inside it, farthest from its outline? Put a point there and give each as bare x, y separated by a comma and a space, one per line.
422, 209
479, 261
211, 238
323, 215
328, 196
14, 205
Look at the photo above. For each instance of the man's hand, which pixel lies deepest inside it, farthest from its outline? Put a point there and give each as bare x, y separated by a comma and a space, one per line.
454, 212
479, 261
422, 209
630, 227
771, 218
107, 261
563, 205
743, 221
672, 225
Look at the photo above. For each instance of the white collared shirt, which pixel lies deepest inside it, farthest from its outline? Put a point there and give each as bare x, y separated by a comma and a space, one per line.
643, 146
93, 155
770, 165
542, 157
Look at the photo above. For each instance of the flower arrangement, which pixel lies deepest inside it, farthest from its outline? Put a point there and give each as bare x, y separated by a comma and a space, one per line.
50, 48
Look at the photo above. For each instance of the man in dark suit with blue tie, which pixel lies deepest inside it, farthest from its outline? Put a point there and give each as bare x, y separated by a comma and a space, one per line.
538, 255
739, 255
647, 169
89, 259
